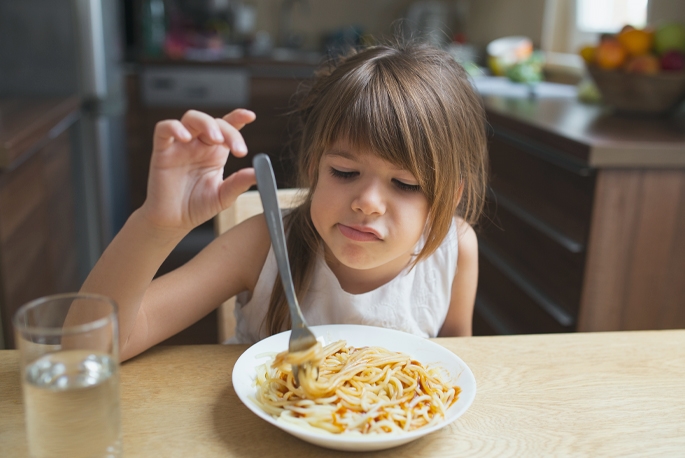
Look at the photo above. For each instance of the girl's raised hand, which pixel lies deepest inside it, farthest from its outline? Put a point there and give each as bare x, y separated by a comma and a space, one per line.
186, 185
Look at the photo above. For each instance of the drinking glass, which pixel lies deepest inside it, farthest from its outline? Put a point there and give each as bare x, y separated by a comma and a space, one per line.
69, 355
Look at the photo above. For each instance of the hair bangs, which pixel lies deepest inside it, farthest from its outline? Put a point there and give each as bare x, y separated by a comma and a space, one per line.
371, 113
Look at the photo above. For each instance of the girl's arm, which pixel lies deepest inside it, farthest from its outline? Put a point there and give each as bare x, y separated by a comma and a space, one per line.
185, 188
229, 265
150, 311
460, 314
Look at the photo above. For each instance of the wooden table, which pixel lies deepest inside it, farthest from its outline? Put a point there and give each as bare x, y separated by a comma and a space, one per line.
594, 394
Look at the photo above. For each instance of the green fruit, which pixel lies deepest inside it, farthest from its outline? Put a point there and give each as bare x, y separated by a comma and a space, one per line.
525, 72
528, 70
669, 37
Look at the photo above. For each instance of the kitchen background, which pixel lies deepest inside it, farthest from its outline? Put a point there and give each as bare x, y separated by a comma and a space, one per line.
131, 63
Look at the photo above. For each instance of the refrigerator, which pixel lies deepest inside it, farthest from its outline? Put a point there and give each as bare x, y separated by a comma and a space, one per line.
75, 47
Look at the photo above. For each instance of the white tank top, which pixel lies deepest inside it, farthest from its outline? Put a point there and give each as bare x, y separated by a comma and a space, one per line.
416, 301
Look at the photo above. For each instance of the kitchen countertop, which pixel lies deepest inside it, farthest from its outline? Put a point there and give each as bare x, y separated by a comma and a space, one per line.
579, 394
590, 134
27, 123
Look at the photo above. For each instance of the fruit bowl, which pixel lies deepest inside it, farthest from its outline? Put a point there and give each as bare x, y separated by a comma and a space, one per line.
637, 93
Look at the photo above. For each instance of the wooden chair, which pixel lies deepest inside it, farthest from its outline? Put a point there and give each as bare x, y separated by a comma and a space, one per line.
247, 205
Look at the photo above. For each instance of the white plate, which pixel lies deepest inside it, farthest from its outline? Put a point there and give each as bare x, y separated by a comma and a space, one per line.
418, 348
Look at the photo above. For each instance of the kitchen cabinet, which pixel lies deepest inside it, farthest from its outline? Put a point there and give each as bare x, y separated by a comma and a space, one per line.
583, 220
38, 245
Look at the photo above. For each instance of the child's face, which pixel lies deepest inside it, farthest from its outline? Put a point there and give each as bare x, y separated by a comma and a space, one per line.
369, 212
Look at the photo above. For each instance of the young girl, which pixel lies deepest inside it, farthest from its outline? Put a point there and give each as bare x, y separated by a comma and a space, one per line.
392, 153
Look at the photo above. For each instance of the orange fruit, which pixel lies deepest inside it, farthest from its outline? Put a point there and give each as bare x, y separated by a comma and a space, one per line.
636, 42
610, 55
588, 54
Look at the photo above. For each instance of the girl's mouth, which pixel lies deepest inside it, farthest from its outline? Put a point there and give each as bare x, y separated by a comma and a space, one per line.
359, 234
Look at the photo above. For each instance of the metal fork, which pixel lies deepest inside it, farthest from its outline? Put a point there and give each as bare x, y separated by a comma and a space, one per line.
301, 338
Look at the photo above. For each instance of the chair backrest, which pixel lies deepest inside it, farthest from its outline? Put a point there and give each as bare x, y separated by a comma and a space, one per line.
248, 204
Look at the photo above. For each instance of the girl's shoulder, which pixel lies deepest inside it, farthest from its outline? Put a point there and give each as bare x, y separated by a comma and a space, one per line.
467, 241
460, 243
464, 230
461, 233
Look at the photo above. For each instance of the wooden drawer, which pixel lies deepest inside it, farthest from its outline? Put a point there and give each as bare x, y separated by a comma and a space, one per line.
37, 233
505, 307
61, 214
533, 240
550, 263
557, 191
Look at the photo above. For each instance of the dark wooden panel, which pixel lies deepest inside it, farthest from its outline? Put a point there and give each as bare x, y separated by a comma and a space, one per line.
61, 214
23, 250
37, 232
481, 326
21, 193
27, 123
552, 267
559, 197
23, 239
508, 309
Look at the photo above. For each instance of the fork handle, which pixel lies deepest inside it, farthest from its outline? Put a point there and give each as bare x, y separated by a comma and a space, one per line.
266, 184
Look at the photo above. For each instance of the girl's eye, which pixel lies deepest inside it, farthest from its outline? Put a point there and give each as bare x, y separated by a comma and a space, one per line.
407, 187
340, 174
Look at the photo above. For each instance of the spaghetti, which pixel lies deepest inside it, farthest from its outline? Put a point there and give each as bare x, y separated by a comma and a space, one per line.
344, 389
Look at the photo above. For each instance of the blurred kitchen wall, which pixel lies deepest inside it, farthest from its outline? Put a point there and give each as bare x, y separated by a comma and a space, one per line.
667, 10
314, 18
483, 20
491, 19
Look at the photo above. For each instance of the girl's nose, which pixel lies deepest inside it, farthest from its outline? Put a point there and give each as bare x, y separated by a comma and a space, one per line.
369, 199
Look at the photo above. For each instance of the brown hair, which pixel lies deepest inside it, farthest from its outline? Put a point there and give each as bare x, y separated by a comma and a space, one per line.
413, 106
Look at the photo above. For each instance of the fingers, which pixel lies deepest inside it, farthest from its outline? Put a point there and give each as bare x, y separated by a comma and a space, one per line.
232, 138
166, 132
211, 131
236, 184
203, 127
238, 118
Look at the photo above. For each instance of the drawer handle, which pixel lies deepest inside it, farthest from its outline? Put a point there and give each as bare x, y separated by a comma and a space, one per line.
198, 92
162, 83
64, 124
552, 308
567, 242
545, 153
55, 132
489, 313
